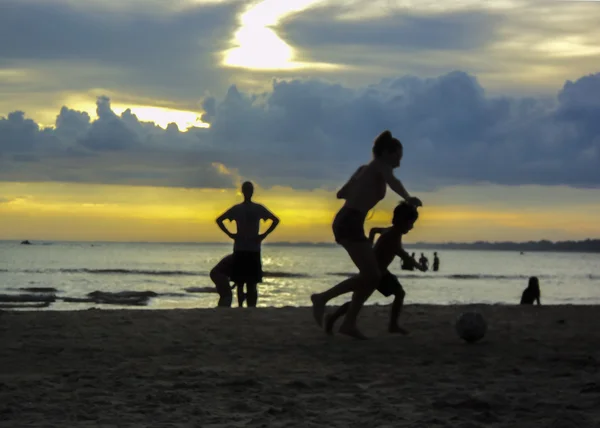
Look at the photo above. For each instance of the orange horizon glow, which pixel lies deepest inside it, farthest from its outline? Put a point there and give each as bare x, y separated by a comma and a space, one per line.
85, 212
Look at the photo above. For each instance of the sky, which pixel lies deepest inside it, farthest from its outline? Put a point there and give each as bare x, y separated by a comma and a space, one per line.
139, 120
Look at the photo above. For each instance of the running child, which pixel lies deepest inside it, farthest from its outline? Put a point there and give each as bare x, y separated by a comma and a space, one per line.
388, 246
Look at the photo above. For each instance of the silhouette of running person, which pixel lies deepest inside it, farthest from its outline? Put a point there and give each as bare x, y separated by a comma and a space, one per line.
532, 292
246, 264
388, 246
436, 262
361, 193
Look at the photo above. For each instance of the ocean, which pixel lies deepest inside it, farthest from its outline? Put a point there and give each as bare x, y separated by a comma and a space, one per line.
294, 272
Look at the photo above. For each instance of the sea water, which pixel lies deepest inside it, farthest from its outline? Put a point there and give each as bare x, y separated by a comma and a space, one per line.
293, 273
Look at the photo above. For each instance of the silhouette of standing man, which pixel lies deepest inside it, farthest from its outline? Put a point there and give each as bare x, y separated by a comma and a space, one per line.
246, 265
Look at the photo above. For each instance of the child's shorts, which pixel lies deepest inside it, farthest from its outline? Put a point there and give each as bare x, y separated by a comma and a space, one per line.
389, 284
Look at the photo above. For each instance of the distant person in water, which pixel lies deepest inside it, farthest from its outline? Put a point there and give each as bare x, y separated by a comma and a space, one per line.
362, 193
532, 292
246, 264
388, 246
424, 261
436, 262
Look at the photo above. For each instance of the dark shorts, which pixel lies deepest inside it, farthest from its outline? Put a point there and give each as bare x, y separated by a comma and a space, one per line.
246, 267
389, 285
349, 226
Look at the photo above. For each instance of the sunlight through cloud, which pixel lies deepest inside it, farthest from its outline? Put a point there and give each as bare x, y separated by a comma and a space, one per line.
258, 46
161, 116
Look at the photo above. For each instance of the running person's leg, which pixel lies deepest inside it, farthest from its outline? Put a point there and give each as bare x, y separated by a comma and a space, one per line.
390, 285
348, 229
319, 300
362, 285
397, 304
332, 318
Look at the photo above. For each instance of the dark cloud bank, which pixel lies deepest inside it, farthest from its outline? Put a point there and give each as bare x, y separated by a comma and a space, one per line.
310, 134
161, 53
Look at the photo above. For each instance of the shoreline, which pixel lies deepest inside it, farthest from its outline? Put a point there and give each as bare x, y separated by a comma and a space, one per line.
537, 366
138, 309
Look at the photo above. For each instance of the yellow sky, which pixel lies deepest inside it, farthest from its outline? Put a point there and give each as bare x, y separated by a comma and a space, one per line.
56, 211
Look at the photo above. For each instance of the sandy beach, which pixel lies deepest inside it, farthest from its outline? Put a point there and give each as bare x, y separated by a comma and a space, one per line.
537, 367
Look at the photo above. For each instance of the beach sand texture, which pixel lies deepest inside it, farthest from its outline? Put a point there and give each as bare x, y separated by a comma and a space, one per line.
537, 367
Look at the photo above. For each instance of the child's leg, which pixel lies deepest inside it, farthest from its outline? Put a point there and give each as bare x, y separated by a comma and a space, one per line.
396, 310
331, 319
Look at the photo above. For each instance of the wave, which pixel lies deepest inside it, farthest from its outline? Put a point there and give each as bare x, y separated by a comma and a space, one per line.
134, 272
116, 271
454, 276
151, 272
285, 275
201, 290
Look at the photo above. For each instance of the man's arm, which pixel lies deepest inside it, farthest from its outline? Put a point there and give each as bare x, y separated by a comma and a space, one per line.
227, 215
538, 300
268, 215
397, 186
374, 231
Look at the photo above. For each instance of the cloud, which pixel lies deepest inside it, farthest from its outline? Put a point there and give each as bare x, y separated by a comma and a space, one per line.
520, 45
452, 131
407, 30
63, 32
111, 149
154, 50
311, 134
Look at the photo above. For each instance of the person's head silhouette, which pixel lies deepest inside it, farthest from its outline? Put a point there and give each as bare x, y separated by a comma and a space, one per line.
388, 149
247, 191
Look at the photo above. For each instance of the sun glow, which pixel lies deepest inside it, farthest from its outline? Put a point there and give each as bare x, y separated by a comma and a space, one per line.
69, 211
257, 44
161, 116
164, 116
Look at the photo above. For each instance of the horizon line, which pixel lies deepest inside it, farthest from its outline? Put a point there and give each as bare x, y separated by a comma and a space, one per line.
297, 242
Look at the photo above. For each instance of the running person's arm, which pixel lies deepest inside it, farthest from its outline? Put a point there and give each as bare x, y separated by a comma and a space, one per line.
406, 258
268, 215
343, 192
227, 215
397, 186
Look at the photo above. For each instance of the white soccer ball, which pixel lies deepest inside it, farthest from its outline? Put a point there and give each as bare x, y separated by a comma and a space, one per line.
471, 326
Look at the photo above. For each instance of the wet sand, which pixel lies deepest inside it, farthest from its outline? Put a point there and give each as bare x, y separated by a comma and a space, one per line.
537, 367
